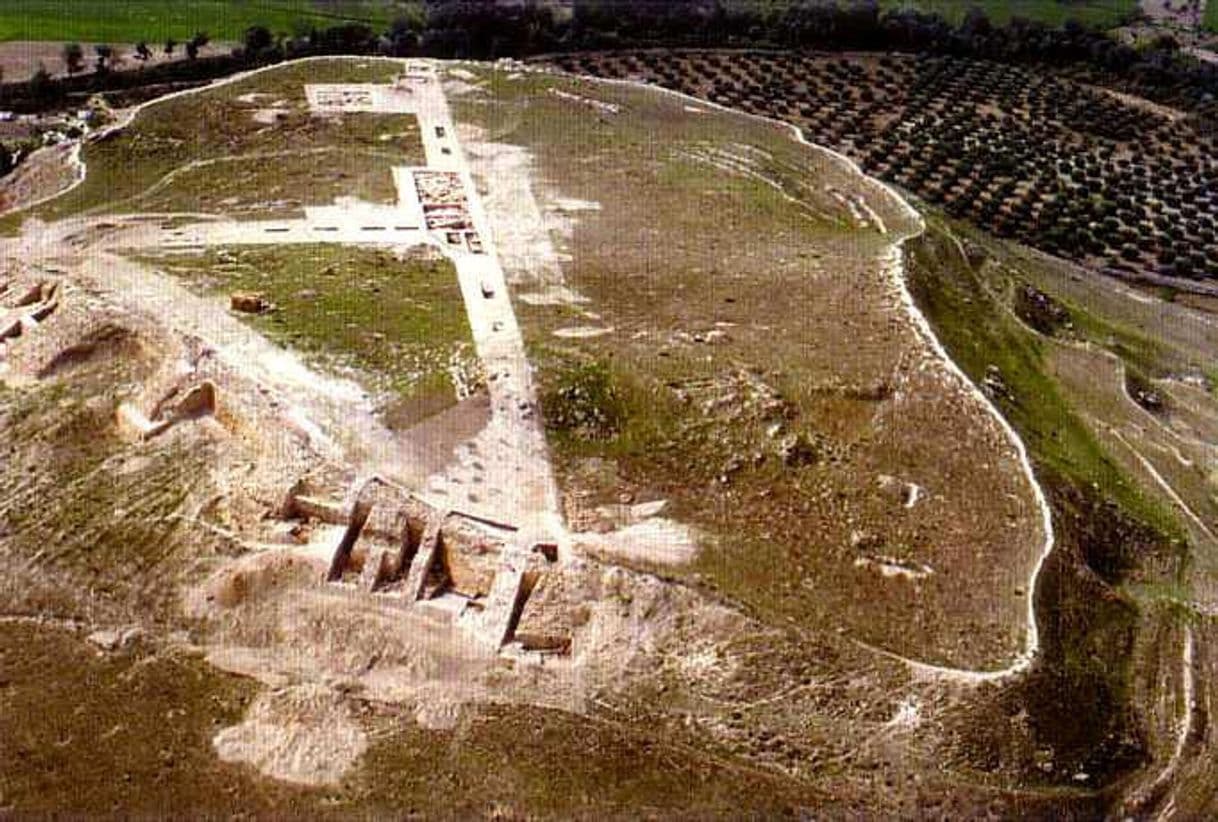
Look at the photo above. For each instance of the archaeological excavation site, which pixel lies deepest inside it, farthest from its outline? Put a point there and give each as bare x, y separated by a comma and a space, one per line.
604, 435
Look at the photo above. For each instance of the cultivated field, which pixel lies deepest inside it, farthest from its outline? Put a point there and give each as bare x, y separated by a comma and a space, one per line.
101, 21
1102, 13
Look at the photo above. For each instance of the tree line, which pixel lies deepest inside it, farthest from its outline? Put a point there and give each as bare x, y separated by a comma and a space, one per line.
489, 30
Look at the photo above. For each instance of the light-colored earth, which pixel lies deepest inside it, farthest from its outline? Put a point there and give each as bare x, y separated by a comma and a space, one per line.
302, 734
19, 59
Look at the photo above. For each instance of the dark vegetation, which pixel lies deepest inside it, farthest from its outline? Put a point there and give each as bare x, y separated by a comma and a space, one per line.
455, 28
260, 47
1080, 720
1051, 162
584, 403
1040, 311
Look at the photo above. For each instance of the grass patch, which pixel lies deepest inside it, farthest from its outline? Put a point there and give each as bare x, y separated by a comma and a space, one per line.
86, 732
218, 125
984, 340
1136, 349
259, 188
399, 322
129, 21
1102, 13
585, 403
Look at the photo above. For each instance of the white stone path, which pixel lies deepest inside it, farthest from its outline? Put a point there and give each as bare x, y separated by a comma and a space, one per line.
504, 475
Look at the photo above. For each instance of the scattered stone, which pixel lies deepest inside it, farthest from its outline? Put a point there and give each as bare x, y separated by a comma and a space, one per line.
113, 639
130, 636
438, 715
648, 509
1040, 311
470, 561
106, 639
906, 493
797, 450
249, 302
995, 385
861, 540
546, 619
305, 734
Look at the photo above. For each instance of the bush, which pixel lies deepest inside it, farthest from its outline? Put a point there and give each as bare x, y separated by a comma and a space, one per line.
584, 403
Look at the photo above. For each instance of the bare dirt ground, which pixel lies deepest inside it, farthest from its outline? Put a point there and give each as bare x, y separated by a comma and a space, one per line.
19, 59
256, 616
44, 173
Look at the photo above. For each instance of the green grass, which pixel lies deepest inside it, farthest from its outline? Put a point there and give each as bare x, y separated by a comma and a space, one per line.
979, 333
278, 184
217, 124
1104, 13
401, 323
129, 21
1137, 350
1210, 22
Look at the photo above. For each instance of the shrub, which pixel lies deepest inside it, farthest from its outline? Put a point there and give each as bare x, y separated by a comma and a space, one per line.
584, 402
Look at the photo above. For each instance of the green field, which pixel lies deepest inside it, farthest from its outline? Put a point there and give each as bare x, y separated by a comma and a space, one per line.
400, 321
1106, 13
1211, 17
154, 21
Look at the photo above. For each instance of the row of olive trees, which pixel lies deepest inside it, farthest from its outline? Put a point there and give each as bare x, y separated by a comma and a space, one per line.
107, 56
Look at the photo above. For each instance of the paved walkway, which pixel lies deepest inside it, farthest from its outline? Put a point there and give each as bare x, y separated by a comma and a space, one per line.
504, 474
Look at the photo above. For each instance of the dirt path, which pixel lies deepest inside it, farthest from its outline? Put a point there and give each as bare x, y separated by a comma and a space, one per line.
336, 415
510, 456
